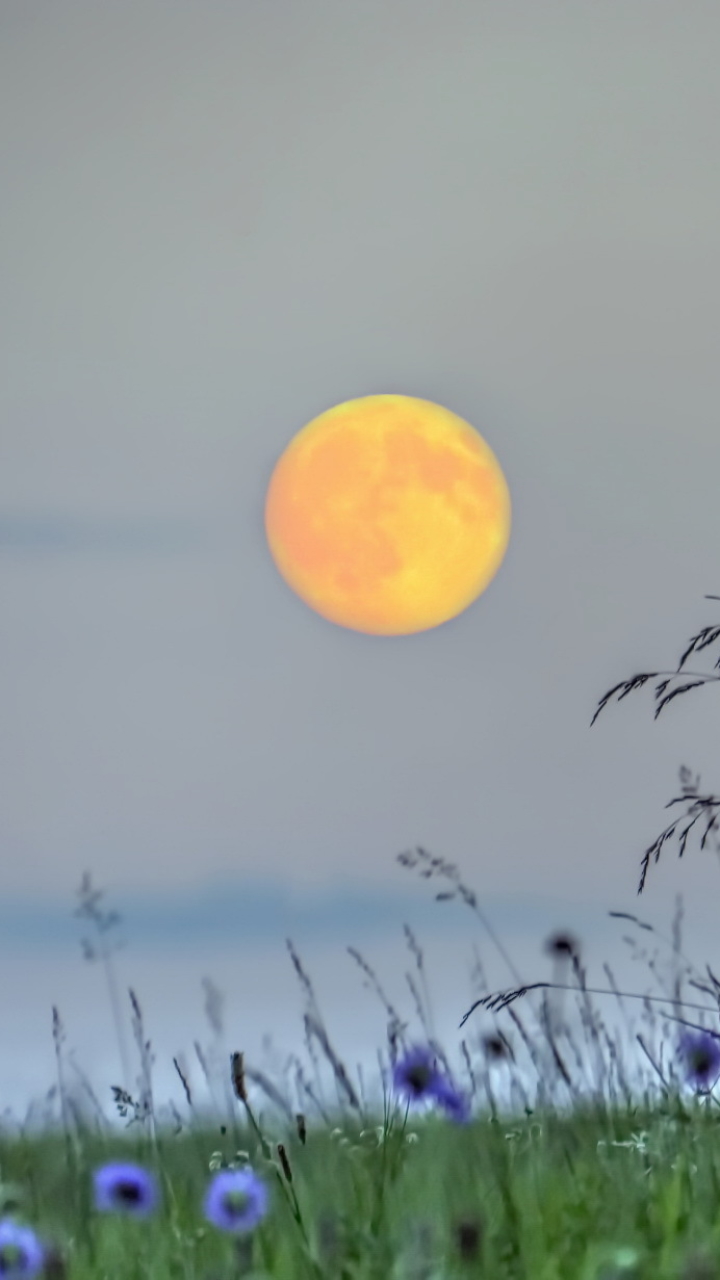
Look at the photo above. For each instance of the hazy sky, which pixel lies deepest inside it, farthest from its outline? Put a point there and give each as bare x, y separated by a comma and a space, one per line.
218, 220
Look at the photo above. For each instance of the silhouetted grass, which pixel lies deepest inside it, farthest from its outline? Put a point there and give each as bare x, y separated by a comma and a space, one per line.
700, 805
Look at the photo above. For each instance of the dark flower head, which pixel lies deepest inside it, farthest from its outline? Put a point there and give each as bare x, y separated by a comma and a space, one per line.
21, 1254
54, 1262
561, 943
125, 1188
495, 1047
415, 1076
236, 1200
468, 1237
702, 1055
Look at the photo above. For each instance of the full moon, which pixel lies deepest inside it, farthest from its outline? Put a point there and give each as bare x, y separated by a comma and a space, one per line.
388, 515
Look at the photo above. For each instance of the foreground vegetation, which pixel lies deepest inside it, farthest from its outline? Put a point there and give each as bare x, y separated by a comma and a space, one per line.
442, 1182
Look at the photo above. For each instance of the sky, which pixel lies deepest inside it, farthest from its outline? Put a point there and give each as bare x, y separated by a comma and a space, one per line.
218, 221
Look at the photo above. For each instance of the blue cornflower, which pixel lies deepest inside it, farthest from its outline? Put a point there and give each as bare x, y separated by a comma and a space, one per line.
417, 1077
702, 1053
125, 1188
21, 1254
236, 1200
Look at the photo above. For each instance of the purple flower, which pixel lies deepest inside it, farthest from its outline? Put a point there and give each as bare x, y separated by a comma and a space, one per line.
125, 1188
236, 1200
416, 1077
21, 1254
702, 1054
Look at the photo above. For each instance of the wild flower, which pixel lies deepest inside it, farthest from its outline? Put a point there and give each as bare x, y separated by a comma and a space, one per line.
636, 1142
236, 1200
382, 1134
416, 1076
219, 1161
125, 1188
495, 1047
702, 1054
418, 1079
21, 1254
468, 1234
562, 944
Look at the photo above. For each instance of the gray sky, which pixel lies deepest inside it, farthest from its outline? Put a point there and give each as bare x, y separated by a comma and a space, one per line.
219, 220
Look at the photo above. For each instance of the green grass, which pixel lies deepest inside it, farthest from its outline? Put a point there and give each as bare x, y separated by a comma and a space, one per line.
628, 1187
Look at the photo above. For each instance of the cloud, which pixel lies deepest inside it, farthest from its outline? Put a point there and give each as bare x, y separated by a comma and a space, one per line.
68, 535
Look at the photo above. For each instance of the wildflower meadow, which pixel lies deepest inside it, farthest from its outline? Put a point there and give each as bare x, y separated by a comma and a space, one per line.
441, 1181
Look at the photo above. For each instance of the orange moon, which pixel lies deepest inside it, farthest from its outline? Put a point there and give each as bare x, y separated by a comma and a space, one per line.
388, 515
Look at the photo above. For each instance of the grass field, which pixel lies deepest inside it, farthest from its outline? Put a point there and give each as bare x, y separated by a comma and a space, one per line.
440, 1181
